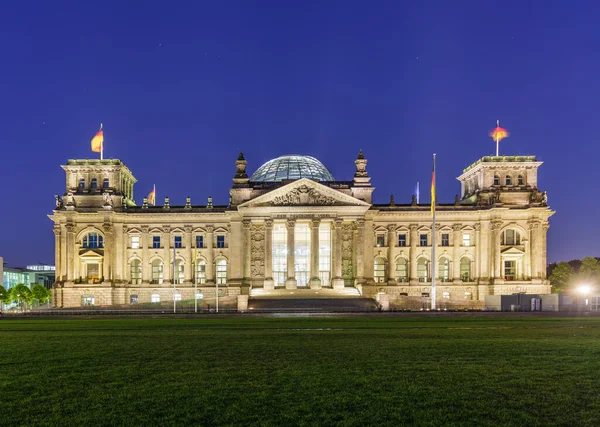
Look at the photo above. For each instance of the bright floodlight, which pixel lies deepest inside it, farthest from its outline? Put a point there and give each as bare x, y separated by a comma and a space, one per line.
584, 289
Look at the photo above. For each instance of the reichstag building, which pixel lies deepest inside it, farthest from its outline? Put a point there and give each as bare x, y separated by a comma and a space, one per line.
292, 225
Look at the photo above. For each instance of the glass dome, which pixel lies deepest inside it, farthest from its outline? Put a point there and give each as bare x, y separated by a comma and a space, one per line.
292, 167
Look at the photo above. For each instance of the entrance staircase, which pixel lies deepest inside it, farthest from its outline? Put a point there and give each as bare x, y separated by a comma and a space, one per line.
309, 300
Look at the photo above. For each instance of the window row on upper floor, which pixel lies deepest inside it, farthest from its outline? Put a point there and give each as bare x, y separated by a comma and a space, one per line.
93, 184
508, 180
424, 240
136, 242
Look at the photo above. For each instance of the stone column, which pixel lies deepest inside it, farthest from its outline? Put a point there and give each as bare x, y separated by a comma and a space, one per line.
496, 226
543, 247
119, 271
484, 252
414, 280
269, 284
456, 236
108, 252
210, 263
56, 230
360, 251
146, 269
290, 283
527, 258
247, 252
315, 280
167, 255
475, 270
70, 251
390, 254
187, 267
337, 281
63, 253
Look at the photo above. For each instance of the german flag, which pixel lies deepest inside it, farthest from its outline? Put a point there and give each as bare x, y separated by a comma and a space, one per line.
98, 140
498, 133
152, 197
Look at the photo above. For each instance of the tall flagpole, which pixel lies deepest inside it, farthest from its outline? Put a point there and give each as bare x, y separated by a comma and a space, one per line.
174, 275
497, 140
102, 145
196, 280
417, 192
433, 232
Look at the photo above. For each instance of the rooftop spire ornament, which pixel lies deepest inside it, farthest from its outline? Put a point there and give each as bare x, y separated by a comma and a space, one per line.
498, 134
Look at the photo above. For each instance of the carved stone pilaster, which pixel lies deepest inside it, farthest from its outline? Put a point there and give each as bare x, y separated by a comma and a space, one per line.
456, 227
257, 246
477, 226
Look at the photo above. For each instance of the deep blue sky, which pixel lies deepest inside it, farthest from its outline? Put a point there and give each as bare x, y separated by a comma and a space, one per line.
182, 87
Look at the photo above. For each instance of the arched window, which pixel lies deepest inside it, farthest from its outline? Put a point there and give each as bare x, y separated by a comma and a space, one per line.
401, 270
93, 240
222, 271
510, 238
82, 183
136, 272
94, 183
508, 180
444, 269
379, 270
496, 180
520, 180
465, 269
422, 272
179, 271
201, 271
105, 183
157, 272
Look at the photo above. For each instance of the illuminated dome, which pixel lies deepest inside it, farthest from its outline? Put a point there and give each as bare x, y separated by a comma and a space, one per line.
292, 167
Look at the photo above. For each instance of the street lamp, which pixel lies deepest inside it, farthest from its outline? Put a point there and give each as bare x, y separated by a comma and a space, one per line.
584, 290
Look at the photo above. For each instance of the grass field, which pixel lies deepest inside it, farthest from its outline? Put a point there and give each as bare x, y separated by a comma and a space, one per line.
301, 371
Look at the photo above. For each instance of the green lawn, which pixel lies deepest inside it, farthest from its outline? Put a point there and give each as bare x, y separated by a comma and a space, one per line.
301, 371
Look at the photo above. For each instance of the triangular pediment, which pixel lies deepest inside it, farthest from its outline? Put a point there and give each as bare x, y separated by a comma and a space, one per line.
91, 253
304, 192
513, 251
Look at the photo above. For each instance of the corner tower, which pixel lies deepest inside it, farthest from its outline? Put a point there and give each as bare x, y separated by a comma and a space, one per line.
98, 183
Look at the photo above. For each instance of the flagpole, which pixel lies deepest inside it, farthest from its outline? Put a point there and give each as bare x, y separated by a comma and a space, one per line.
497, 140
417, 192
102, 146
174, 275
433, 259
196, 280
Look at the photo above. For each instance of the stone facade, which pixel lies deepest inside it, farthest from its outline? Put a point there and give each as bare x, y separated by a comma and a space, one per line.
300, 232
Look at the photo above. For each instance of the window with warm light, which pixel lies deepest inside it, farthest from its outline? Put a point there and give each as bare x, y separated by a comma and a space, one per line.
135, 242
379, 270
466, 239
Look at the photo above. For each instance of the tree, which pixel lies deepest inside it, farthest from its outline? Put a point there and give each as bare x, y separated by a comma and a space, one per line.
40, 293
3, 297
21, 294
562, 277
589, 270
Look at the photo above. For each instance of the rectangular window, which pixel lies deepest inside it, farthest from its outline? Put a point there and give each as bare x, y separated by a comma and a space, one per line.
199, 241
155, 298
135, 242
133, 299
380, 240
279, 256
177, 297
156, 242
201, 272
93, 272
510, 270
325, 254
466, 239
402, 240
177, 242
445, 239
302, 254
220, 241
423, 240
